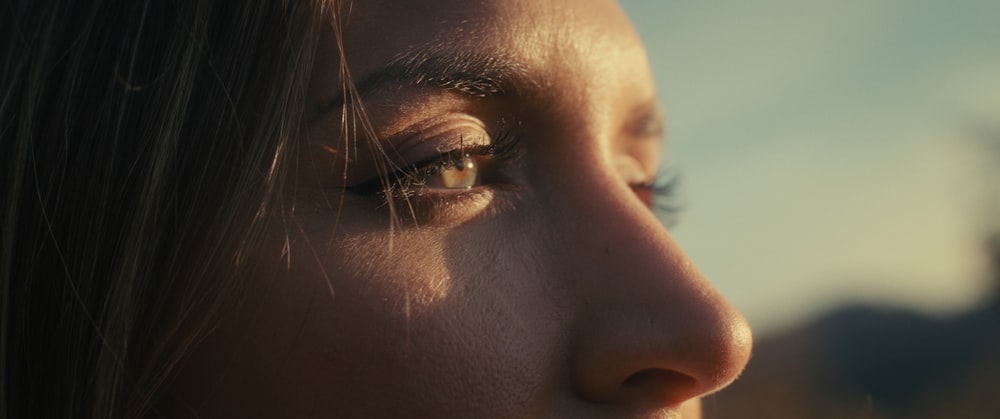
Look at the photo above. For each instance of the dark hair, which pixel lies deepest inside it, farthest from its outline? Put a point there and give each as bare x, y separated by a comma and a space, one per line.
141, 157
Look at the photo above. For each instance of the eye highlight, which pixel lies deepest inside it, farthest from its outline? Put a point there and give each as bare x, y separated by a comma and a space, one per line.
462, 174
469, 173
458, 169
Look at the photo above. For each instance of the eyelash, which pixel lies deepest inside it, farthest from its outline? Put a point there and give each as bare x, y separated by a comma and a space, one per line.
409, 182
660, 195
503, 151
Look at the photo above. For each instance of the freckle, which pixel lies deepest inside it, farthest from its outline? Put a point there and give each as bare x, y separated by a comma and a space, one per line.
607, 250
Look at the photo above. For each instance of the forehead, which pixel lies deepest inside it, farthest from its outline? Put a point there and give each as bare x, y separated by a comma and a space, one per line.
564, 37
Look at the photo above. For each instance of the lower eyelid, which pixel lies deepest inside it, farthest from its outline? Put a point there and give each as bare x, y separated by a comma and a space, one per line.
453, 207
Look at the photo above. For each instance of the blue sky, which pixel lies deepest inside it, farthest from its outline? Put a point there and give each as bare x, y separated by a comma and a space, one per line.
826, 149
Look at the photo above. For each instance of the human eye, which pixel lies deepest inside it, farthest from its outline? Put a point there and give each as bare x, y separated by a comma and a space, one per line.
458, 169
657, 191
660, 195
460, 177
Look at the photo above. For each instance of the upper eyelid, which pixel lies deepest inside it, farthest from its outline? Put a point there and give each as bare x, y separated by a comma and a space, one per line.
653, 126
462, 127
647, 121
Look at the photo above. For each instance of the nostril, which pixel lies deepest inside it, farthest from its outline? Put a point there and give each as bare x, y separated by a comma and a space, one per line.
657, 377
662, 386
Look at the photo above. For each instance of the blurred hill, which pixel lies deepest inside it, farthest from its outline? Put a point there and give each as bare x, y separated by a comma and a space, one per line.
870, 362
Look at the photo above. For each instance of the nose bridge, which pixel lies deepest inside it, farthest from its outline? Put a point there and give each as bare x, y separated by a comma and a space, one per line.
649, 328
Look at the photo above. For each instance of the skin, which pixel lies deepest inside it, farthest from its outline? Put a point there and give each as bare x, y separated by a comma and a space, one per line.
548, 290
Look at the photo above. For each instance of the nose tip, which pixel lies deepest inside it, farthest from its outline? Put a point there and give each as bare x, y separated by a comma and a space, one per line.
628, 360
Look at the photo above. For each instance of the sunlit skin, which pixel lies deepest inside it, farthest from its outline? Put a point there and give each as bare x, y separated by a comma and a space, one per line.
543, 287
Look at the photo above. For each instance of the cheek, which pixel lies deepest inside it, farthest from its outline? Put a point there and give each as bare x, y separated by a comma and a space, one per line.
450, 320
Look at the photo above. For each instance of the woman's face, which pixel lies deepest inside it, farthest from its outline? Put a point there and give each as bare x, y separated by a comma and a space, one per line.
521, 272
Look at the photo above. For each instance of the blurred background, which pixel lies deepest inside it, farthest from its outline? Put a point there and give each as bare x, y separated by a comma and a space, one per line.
840, 183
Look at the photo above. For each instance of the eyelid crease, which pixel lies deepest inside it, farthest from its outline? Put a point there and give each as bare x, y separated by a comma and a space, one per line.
417, 134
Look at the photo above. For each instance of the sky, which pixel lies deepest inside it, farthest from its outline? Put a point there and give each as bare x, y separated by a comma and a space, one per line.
830, 152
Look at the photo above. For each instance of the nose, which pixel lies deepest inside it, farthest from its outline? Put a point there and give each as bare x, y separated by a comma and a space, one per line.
649, 330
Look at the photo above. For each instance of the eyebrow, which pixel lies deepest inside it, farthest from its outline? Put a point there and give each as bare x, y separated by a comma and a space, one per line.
469, 73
